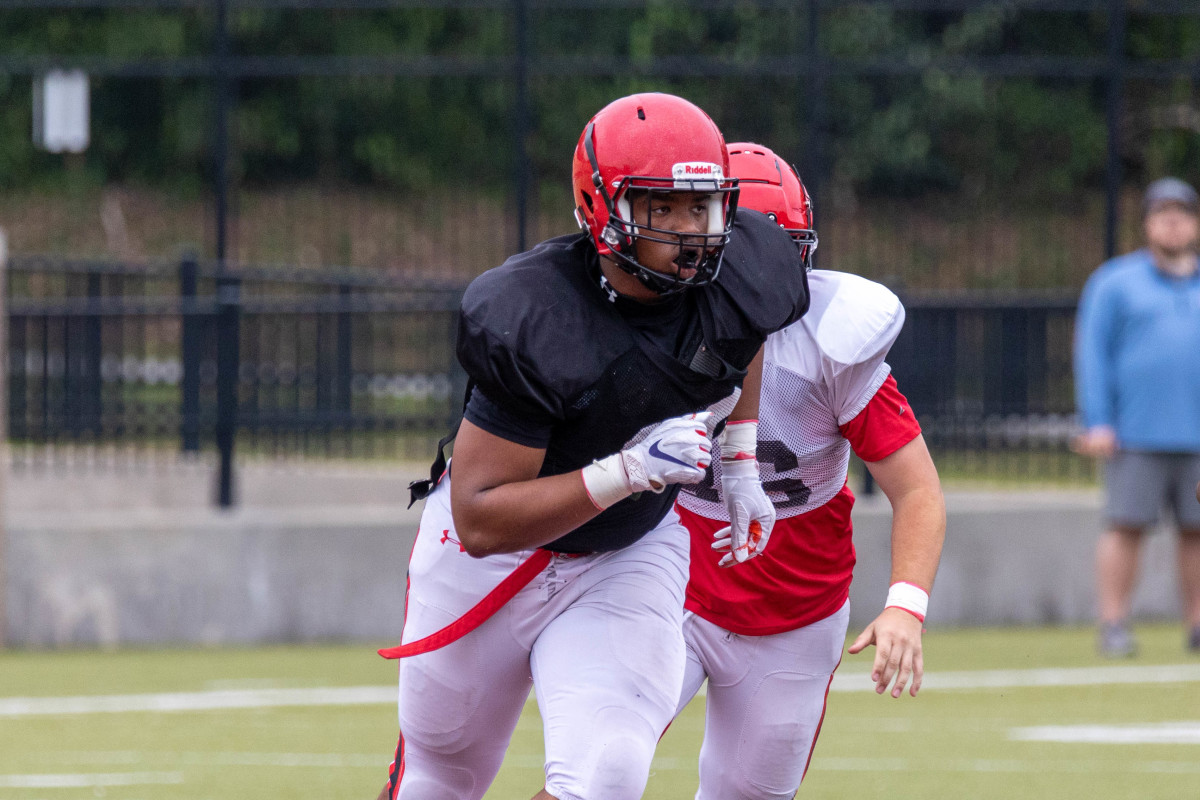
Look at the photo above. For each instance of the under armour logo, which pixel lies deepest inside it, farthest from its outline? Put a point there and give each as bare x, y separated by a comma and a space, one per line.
446, 537
607, 287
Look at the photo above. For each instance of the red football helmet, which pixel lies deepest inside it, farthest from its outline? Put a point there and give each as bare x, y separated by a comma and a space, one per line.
654, 143
769, 184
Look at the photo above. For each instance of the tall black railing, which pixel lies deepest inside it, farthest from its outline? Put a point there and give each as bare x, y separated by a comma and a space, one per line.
355, 363
989, 375
164, 355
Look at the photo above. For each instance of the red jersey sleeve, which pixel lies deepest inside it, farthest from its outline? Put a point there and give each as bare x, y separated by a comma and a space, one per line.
886, 424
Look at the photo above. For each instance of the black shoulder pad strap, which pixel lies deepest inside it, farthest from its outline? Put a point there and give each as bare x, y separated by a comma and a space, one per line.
419, 490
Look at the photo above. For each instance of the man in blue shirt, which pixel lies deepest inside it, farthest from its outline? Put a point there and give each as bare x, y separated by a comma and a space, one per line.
1137, 384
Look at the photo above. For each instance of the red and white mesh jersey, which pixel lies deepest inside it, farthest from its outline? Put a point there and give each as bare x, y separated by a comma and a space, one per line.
826, 388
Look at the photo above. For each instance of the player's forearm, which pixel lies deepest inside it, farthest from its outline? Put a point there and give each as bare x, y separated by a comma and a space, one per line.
747, 404
521, 515
918, 532
910, 481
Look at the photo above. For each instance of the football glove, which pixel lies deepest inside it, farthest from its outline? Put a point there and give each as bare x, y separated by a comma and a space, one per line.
677, 450
751, 512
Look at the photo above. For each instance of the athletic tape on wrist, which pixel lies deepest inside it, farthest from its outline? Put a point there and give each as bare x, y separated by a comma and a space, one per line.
739, 440
909, 597
605, 481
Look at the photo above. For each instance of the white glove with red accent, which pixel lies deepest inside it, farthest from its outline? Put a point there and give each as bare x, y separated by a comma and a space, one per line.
751, 512
676, 450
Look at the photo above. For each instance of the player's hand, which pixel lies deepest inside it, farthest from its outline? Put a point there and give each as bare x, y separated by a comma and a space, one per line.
1097, 442
751, 513
677, 450
896, 635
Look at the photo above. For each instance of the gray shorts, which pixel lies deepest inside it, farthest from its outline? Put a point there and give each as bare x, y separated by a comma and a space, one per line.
1140, 484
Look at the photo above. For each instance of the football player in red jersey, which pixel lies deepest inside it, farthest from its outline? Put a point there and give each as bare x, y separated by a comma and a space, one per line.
601, 364
768, 634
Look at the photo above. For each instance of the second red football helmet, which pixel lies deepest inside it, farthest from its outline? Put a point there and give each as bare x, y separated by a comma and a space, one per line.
655, 143
769, 184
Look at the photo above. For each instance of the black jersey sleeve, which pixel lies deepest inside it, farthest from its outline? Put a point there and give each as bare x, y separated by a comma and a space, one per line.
523, 342
492, 418
514, 391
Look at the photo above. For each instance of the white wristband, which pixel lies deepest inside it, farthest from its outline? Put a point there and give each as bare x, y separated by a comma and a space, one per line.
910, 597
739, 440
605, 481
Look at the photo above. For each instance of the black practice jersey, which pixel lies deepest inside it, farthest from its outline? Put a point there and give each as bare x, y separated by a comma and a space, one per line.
558, 363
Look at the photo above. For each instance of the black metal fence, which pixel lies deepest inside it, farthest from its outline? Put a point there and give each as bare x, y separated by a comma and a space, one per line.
188, 356
280, 361
990, 378
199, 354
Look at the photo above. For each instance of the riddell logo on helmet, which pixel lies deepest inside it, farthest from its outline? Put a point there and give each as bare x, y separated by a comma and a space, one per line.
699, 169
687, 171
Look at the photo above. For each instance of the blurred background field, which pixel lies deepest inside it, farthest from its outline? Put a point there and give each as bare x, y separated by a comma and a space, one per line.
1004, 713
230, 331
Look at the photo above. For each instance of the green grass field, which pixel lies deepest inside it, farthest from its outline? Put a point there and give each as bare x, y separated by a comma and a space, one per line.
64, 735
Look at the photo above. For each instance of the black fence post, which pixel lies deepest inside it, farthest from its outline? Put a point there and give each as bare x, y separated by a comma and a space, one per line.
93, 353
1035, 361
228, 288
70, 405
345, 354
190, 355
228, 369
1013, 391
18, 372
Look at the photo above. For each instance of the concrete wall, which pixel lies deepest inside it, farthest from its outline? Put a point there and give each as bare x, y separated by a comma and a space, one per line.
320, 555
138, 555
1015, 557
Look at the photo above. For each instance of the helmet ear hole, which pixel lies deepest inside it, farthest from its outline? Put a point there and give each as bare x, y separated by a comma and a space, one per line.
587, 201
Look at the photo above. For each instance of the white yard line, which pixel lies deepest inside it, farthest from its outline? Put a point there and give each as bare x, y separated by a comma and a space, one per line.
1015, 765
199, 758
1028, 678
1019, 766
1146, 733
386, 695
84, 781
197, 701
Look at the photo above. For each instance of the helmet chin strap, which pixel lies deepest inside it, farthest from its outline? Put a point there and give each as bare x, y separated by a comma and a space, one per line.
646, 277
661, 284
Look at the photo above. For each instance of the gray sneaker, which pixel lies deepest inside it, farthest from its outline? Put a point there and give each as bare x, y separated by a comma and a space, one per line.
1115, 641
1194, 640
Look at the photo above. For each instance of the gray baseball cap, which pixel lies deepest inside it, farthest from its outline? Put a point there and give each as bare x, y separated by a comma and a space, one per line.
1170, 190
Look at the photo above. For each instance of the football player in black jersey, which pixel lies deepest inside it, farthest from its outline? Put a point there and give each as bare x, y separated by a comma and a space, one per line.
549, 554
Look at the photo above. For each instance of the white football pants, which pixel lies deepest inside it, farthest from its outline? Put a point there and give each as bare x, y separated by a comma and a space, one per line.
598, 636
765, 703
